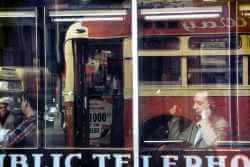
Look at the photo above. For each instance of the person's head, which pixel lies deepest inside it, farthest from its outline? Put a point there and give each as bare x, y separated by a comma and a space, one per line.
4, 104
28, 105
201, 102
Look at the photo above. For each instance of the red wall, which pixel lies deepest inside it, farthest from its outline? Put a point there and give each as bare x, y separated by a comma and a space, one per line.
234, 109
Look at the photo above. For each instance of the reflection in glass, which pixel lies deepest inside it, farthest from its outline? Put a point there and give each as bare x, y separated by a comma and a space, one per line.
17, 42
169, 43
18, 75
214, 70
219, 42
98, 92
160, 70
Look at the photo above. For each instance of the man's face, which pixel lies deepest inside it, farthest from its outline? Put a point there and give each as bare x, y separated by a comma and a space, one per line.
200, 103
3, 110
23, 104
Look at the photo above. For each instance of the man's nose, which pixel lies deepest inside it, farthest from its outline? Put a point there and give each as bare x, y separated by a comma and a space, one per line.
194, 106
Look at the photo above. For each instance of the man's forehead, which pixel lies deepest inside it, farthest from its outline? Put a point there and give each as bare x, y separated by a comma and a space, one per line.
200, 96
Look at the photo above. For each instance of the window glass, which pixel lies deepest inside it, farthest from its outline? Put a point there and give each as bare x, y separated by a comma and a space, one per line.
19, 76
54, 118
169, 43
217, 42
160, 70
4, 84
18, 42
10, 85
214, 70
103, 78
97, 80
174, 113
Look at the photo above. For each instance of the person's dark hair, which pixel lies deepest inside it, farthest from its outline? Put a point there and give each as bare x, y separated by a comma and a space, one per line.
32, 99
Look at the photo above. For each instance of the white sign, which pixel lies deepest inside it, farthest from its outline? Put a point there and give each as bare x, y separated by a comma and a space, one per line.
100, 118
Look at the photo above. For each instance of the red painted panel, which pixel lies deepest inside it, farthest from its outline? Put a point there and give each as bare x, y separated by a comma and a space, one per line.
221, 25
127, 122
234, 109
108, 29
154, 106
69, 119
203, 26
243, 112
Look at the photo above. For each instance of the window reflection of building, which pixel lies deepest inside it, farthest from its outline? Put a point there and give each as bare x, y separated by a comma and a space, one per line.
214, 69
17, 44
97, 68
160, 70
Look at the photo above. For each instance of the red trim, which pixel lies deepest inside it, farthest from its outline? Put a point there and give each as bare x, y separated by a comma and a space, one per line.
224, 24
201, 26
108, 29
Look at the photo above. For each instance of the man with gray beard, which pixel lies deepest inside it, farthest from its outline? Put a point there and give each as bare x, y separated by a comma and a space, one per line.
207, 131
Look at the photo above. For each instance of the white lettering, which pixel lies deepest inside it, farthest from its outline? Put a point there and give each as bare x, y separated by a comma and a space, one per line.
56, 159
2, 157
193, 161
189, 26
167, 160
69, 158
37, 159
228, 22
145, 160
223, 23
204, 25
101, 158
22, 160
119, 161
211, 160
212, 24
235, 160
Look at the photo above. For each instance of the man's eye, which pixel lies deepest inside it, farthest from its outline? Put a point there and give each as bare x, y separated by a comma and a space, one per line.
199, 103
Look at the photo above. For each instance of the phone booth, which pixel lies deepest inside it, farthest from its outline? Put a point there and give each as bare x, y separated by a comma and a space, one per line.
93, 93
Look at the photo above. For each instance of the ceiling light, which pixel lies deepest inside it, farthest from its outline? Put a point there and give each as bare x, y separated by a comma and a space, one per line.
183, 10
88, 13
181, 17
88, 19
9, 14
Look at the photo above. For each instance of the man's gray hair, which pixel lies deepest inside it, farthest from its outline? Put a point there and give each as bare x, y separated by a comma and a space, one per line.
211, 101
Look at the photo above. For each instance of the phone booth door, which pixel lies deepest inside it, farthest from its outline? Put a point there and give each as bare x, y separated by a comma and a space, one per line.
98, 83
